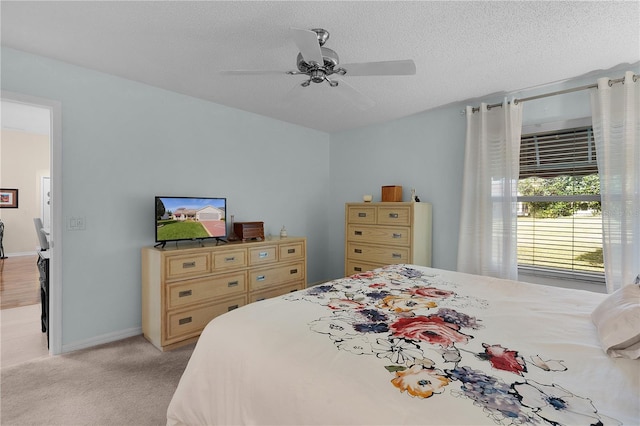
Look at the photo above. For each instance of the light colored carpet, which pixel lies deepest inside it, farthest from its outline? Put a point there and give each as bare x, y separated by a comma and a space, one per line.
128, 382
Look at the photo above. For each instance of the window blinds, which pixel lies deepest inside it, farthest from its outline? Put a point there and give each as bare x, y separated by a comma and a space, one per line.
569, 152
571, 242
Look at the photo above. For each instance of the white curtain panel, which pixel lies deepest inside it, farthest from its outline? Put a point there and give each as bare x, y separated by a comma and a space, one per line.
487, 243
616, 128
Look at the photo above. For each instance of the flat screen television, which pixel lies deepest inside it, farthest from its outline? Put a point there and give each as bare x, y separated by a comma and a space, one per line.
190, 218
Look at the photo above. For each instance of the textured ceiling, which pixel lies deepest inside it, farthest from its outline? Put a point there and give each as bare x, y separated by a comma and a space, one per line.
462, 50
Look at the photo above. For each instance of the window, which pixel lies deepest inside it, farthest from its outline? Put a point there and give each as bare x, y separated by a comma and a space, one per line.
559, 210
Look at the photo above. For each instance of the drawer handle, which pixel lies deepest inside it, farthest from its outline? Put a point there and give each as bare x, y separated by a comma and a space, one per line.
357, 268
358, 250
184, 293
186, 265
291, 251
262, 298
293, 271
362, 215
232, 307
263, 254
397, 235
396, 255
183, 321
229, 259
393, 215
260, 278
232, 283
358, 232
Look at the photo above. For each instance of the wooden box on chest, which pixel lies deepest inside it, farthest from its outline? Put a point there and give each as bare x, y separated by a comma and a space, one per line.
249, 230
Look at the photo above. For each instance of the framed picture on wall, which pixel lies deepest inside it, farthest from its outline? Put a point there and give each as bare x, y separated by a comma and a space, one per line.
8, 198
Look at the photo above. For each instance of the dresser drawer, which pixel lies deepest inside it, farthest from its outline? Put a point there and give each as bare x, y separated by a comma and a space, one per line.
356, 267
388, 235
269, 277
291, 251
261, 255
361, 214
376, 254
279, 291
394, 215
203, 290
190, 322
187, 265
229, 259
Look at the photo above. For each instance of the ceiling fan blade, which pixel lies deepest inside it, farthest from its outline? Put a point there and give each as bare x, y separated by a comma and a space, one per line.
351, 94
402, 67
307, 42
252, 72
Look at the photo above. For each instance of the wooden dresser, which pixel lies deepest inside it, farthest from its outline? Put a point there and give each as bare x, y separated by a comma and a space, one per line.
378, 234
184, 288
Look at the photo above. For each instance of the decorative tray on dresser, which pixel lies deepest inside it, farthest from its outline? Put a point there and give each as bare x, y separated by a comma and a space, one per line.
378, 234
184, 288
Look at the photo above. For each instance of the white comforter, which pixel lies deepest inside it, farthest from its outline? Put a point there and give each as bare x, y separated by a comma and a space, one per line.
409, 345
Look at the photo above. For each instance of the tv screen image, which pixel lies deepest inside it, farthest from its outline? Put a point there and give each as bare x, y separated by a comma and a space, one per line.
190, 218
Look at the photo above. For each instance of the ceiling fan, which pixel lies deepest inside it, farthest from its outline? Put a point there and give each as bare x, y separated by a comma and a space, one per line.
320, 64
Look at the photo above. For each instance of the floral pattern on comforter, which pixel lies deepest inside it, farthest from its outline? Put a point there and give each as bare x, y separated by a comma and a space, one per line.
417, 326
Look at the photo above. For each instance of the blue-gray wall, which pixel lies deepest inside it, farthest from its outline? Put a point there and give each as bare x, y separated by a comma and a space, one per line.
124, 142
426, 152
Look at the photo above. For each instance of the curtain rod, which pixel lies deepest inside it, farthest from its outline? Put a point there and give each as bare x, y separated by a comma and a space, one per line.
559, 92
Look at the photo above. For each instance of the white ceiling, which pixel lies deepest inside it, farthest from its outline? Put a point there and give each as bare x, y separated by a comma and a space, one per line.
462, 50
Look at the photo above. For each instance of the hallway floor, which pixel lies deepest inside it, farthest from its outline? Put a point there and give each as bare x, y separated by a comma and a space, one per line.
21, 337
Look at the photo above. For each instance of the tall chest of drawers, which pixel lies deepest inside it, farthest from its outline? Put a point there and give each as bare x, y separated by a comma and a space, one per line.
184, 288
378, 234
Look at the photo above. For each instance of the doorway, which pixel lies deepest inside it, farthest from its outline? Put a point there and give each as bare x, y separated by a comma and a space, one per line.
47, 190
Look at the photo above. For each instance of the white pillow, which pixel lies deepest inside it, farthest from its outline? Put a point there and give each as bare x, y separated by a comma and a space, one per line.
617, 319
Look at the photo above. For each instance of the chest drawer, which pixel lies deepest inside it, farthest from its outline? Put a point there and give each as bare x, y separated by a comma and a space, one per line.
388, 235
268, 277
203, 290
187, 265
357, 267
230, 259
376, 254
261, 255
187, 323
361, 214
394, 215
291, 251
278, 291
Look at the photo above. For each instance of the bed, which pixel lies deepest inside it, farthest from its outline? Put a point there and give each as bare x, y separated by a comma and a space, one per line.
406, 344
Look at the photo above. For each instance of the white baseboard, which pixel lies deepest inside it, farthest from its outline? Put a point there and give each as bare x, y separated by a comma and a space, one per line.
23, 253
102, 339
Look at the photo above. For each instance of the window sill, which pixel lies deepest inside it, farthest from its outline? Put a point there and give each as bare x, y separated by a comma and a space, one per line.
583, 281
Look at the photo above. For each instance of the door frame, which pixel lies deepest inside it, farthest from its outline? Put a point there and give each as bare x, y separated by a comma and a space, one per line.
55, 244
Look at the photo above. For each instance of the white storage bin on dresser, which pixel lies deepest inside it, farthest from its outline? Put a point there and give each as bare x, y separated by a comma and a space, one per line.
185, 288
378, 234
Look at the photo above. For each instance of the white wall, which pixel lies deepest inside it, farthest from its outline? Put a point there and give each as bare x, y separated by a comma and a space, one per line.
124, 142
24, 161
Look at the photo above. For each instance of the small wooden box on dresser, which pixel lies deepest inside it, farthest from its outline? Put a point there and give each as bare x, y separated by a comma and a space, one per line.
185, 288
378, 234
